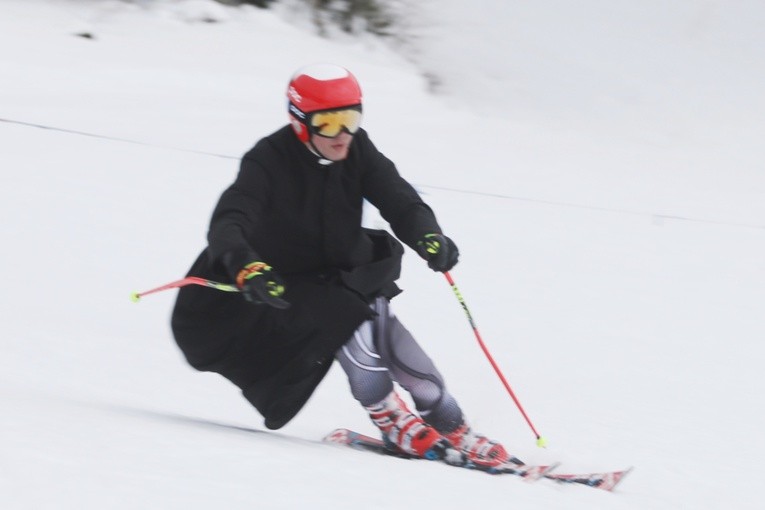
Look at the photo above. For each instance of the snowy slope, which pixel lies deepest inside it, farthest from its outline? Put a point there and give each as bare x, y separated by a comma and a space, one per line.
600, 168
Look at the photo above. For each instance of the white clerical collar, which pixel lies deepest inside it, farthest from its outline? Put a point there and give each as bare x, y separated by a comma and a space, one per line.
322, 160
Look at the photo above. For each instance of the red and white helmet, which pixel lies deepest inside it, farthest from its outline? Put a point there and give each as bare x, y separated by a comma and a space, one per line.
319, 87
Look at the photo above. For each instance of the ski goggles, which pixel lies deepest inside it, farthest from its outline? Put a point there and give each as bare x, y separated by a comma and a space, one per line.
330, 123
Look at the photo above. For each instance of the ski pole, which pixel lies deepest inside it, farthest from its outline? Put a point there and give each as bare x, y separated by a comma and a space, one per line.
541, 442
189, 280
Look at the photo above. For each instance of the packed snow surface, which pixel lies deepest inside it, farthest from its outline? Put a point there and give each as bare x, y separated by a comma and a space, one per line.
599, 164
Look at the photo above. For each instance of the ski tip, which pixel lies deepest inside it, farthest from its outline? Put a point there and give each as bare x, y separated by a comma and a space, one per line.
622, 475
135, 297
610, 482
606, 481
337, 436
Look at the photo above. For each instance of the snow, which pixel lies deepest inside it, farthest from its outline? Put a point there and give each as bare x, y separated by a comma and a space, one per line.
599, 165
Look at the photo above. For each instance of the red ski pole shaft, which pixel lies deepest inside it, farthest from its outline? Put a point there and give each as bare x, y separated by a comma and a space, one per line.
189, 280
540, 440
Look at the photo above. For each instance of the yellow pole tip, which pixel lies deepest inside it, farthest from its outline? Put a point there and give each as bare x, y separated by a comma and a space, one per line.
134, 297
541, 442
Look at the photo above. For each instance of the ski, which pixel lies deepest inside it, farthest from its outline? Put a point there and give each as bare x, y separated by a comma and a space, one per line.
606, 480
363, 442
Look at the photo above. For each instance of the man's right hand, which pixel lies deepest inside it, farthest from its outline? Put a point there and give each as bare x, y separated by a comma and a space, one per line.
260, 284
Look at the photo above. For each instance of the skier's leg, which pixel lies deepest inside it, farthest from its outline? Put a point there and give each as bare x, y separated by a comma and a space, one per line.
413, 369
372, 386
370, 381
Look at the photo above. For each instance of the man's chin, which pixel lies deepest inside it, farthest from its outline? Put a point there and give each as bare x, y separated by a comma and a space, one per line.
338, 155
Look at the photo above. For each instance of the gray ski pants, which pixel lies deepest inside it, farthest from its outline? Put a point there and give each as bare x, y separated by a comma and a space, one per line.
382, 352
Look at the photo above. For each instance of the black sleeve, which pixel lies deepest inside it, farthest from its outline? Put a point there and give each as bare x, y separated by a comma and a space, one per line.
236, 215
397, 200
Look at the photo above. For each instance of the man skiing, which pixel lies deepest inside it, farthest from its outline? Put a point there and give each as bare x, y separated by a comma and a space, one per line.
316, 285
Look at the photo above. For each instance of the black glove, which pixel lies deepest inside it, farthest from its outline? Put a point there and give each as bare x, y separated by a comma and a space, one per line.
440, 252
260, 284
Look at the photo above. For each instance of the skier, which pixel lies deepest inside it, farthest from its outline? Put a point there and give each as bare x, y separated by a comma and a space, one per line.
288, 231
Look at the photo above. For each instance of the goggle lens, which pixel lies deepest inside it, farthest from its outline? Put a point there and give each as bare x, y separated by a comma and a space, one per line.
331, 123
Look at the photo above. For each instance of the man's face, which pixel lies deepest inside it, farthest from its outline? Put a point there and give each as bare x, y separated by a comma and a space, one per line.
332, 130
334, 149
